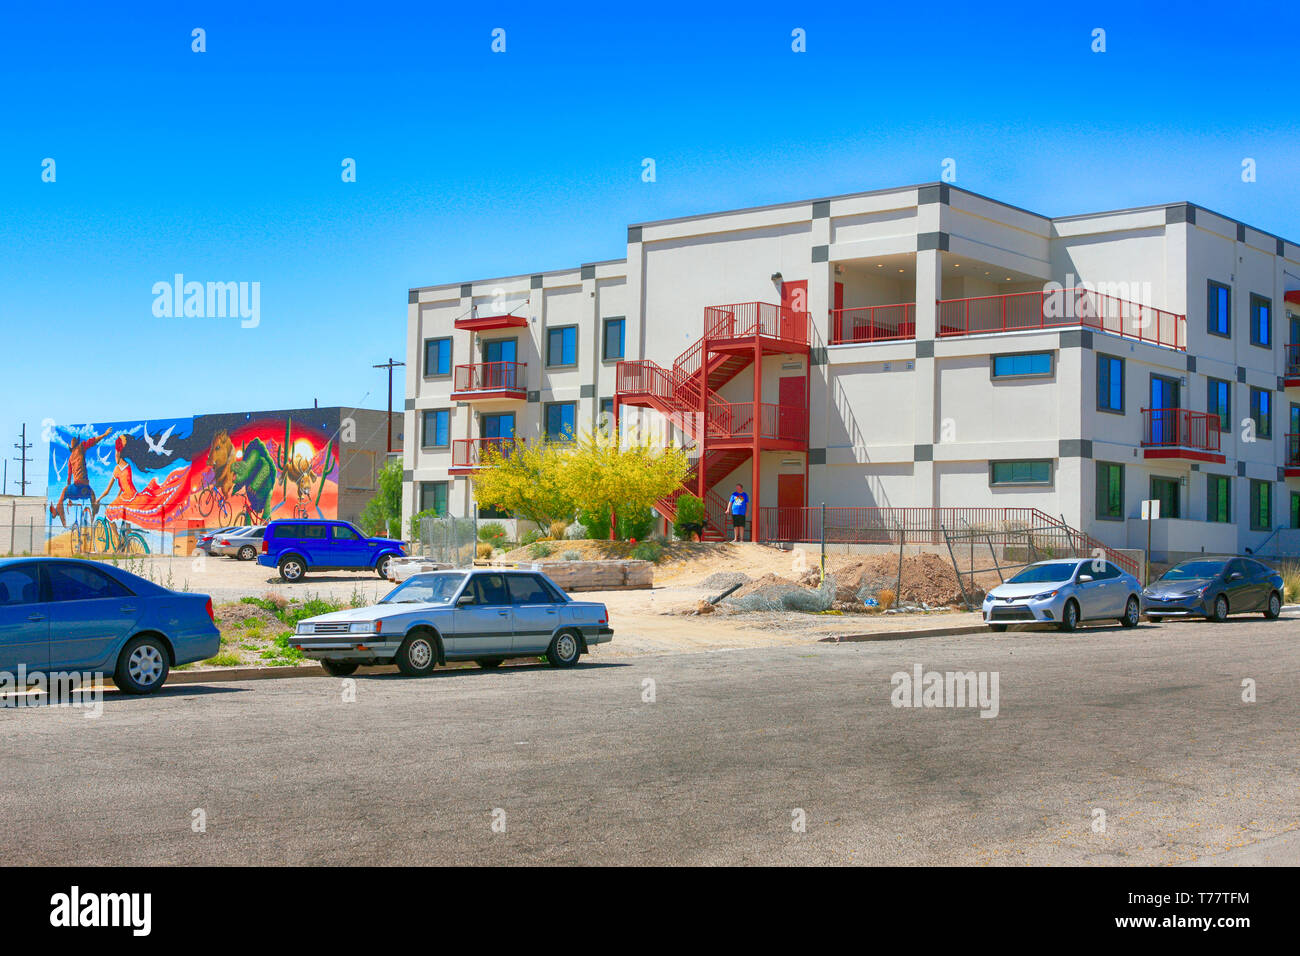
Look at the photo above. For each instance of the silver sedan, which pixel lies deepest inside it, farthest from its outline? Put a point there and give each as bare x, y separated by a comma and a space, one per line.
1065, 593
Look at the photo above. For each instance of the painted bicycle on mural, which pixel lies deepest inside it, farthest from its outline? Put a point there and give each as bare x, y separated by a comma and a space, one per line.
119, 538
209, 501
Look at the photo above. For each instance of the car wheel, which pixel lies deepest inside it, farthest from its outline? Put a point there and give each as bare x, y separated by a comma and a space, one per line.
1069, 616
487, 663
1274, 609
339, 668
565, 649
418, 655
382, 566
292, 569
997, 628
1132, 613
247, 553
1220, 612
142, 666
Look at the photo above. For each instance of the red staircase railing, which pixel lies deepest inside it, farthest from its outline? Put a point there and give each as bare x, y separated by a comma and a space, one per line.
1180, 428
1083, 307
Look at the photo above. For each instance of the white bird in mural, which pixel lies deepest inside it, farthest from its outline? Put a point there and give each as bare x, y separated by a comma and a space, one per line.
159, 447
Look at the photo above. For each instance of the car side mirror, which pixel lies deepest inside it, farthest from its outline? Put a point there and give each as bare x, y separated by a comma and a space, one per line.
464, 599
1085, 578
1235, 576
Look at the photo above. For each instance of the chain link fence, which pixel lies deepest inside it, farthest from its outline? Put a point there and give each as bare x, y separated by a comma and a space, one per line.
449, 540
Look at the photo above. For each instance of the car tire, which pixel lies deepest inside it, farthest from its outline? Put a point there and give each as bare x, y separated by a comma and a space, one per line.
1132, 612
339, 668
1274, 608
247, 553
292, 569
1219, 613
418, 655
565, 649
142, 667
381, 568
997, 628
1069, 617
488, 663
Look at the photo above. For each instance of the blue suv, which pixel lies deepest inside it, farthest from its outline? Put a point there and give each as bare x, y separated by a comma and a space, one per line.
294, 547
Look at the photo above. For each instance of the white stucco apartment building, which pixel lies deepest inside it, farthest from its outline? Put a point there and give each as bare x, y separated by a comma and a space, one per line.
920, 348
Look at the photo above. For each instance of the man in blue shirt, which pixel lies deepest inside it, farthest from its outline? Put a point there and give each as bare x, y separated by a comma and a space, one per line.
738, 505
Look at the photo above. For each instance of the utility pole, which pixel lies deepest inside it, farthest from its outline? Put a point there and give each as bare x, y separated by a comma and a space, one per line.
390, 365
22, 445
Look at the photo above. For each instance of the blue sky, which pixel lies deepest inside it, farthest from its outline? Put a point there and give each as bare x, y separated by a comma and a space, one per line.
225, 165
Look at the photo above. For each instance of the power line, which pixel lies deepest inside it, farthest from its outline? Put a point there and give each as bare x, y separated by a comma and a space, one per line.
23, 445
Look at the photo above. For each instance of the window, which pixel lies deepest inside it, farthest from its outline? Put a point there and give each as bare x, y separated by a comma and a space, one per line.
1020, 472
527, 589
500, 350
488, 589
1110, 491
1110, 383
1023, 364
298, 531
1218, 499
75, 582
606, 421
437, 356
562, 346
561, 421
18, 585
437, 428
486, 511
344, 533
1218, 401
1261, 506
1261, 321
613, 348
1295, 509
1219, 310
1165, 491
1261, 411
433, 497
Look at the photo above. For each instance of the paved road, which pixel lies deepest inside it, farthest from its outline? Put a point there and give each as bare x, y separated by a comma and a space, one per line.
1147, 725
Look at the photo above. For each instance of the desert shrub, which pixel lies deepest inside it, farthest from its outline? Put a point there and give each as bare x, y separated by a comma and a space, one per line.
542, 549
493, 532
1290, 582
528, 537
578, 532
690, 516
557, 530
483, 549
572, 555
885, 598
651, 551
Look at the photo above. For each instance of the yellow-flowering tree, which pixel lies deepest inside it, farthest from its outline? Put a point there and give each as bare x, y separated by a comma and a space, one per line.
526, 479
602, 475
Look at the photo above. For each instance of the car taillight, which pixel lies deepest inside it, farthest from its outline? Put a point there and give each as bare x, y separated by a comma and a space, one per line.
209, 610
264, 546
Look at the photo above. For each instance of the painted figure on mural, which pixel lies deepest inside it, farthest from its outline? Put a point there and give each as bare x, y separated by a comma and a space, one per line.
254, 472
78, 486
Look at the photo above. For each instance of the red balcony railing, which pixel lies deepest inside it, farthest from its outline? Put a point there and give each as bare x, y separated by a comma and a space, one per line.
1180, 428
476, 452
873, 323
737, 420
745, 319
1292, 372
490, 377
1019, 311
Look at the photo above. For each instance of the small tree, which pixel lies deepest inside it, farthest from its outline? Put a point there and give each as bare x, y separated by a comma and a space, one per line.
603, 475
382, 514
525, 479
690, 516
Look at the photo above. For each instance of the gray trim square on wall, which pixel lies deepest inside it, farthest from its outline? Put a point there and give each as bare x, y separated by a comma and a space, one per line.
1182, 212
587, 391
922, 453
1281, 248
1281, 473
1241, 374
925, 348
1241, 469
816, 456
410, 404
1241, 232
1076, 339
408, 475
588, 272
1196, 466
931, 240
1074, 448
633, 234
535, 282
935, 192
534, 396
413, 297
821, 209
467, 290
1191, 363
817, 355
821, 253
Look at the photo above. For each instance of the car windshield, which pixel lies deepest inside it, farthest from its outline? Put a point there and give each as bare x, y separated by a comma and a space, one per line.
1193, 569
425, 589
1045, 573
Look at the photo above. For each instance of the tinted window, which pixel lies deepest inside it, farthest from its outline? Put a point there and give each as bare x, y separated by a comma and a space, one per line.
75, 582
526, 589
1192, 569
1028, 363
490, 589
301, 531
425, 589
437, 356
18, 585
345, 534
562, 346
1045, 573
1021, 472
1219, 309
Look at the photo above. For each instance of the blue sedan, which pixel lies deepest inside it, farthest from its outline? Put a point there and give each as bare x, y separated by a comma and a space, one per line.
68, 615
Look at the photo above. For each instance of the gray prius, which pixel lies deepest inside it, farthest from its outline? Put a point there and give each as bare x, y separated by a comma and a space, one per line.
486, 615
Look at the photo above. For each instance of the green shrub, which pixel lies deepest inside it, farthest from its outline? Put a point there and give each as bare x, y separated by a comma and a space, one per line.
636, 523
415, 522
690, 516
224, 660
651, 551
542, 549
292, 615
529, 537
572, 555
493, 532
597, 525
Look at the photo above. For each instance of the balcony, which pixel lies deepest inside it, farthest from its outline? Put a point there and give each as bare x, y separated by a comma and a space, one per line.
778, 328
1065, 308
468, 454
873, 323
486, 323
1180, 433
1292, 467
1291, 374
485, 380
774, 426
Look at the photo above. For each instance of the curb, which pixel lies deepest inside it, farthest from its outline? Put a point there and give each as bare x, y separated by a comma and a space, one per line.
905, 635
228, 674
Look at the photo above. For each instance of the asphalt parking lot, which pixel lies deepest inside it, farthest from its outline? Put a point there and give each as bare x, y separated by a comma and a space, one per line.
711, 763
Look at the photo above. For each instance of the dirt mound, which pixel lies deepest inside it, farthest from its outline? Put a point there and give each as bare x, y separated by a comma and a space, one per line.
722, 580
927, 579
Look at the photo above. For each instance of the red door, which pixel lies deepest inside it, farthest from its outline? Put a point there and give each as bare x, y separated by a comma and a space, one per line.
794, 309
790, 508
792, 415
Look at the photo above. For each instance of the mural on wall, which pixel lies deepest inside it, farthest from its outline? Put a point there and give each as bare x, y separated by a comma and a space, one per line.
133, 487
